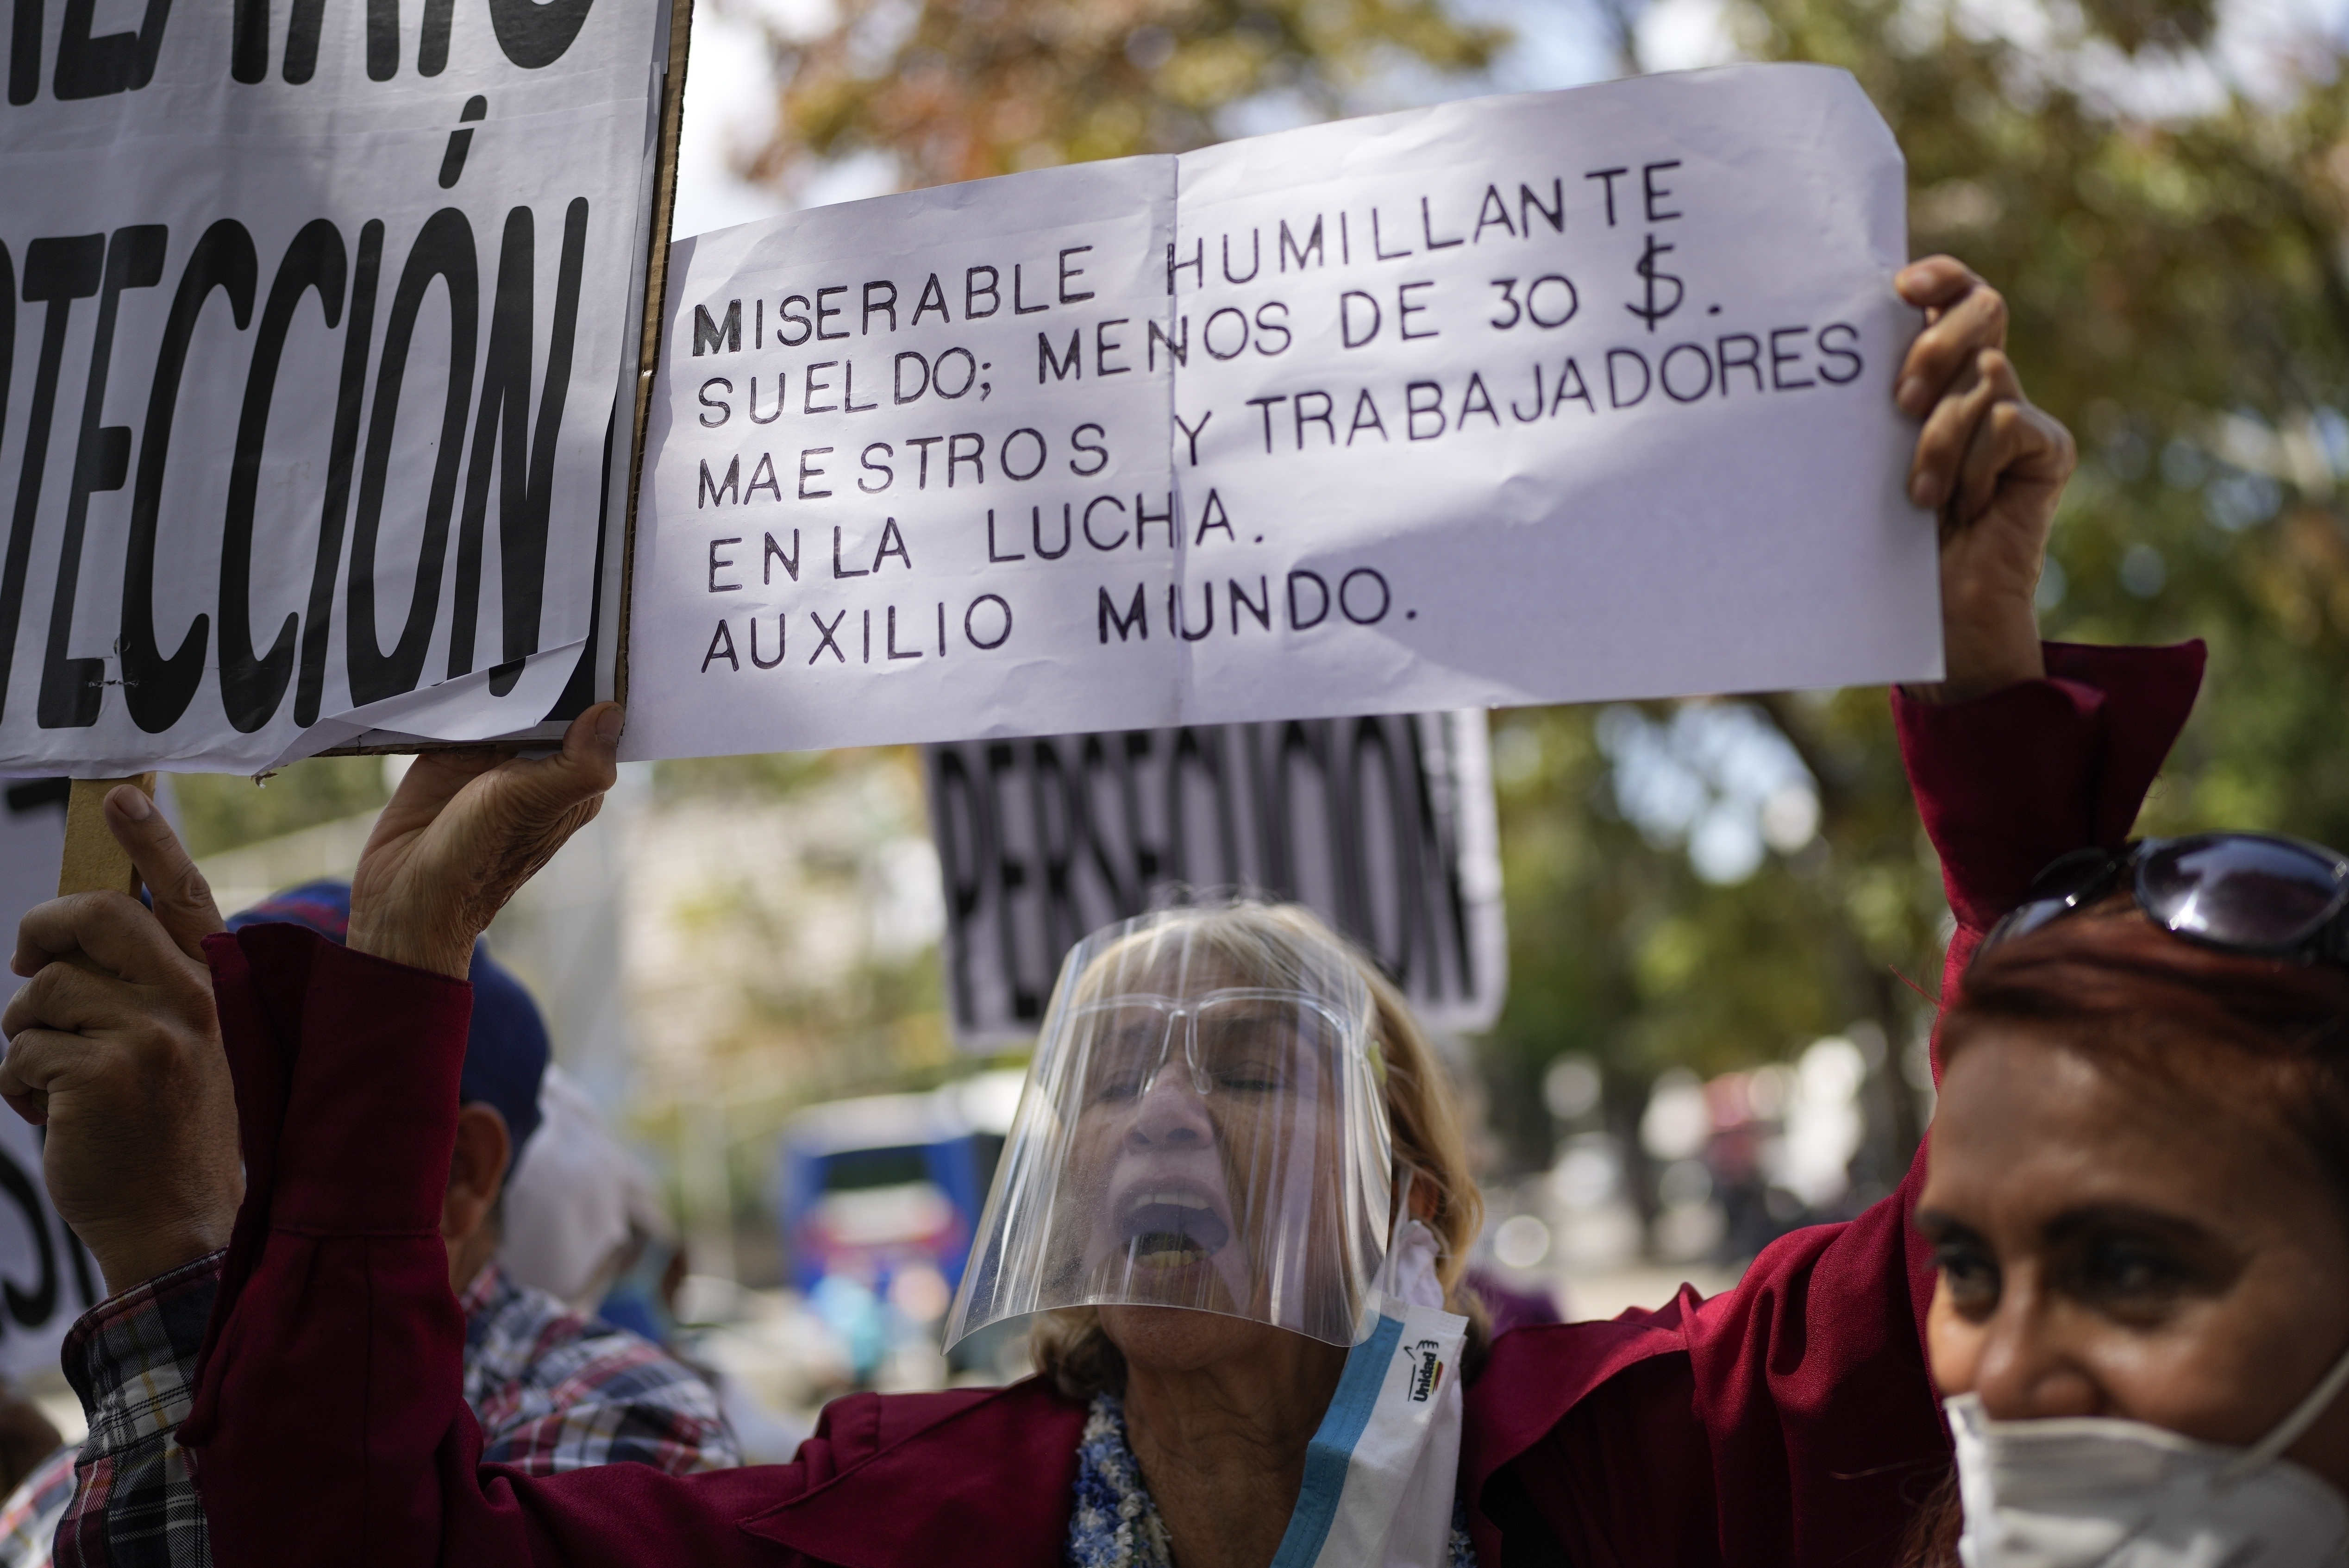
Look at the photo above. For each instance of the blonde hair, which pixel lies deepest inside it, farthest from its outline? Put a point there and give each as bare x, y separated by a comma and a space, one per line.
1276, 941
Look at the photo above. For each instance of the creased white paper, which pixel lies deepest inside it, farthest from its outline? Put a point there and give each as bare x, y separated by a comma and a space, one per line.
1561, 397
460, 710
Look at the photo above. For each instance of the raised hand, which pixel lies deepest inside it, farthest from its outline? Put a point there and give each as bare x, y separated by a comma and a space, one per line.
1993, 466
120, 1055
463, 831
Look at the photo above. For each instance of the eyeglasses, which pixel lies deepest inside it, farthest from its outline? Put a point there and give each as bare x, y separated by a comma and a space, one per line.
2246, 892
1241, 1039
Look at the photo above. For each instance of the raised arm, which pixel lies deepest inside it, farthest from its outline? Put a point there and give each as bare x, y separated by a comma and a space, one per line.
335, 1317
2026, 750
306, 1378
1792, 1419
114, 1047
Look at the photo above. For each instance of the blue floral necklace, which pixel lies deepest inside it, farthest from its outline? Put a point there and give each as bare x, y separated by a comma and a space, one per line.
1116, 1525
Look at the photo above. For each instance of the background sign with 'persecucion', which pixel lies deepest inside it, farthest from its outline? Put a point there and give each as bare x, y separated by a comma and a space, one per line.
1383, 824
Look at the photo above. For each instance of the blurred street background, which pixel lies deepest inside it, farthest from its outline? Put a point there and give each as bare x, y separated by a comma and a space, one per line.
1726, 925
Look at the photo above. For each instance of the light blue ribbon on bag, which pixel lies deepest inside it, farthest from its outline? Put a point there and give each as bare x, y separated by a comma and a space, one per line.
1332, 1447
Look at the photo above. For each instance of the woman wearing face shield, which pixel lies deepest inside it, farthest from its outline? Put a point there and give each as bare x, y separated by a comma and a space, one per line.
1234, 1179
1235, 1187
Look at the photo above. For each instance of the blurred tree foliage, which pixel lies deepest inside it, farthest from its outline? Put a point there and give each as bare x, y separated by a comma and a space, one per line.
2178, 298
1620, 948
223, 811
960, 90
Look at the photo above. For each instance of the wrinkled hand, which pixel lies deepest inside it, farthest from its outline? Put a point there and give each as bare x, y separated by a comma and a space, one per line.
463, 831
1991, 465
114, 1045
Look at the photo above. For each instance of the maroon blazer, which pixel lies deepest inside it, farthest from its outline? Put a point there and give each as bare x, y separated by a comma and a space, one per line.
1789, 1420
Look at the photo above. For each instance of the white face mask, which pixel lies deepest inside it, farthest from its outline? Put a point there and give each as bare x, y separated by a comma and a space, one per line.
2074, 1492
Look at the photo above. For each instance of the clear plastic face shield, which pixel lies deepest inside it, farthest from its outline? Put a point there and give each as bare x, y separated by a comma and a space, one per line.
1203, 1126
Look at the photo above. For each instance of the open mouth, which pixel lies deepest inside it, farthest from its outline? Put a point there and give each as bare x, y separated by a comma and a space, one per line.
1166, 1229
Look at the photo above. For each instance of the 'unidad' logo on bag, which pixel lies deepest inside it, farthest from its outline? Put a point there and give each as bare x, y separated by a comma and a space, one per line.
1427, 1370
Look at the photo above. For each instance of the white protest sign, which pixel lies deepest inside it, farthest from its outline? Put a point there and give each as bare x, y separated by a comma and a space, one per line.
1596, 401
835, 419
46, 1276
1562, 397
1385, 824
316, 318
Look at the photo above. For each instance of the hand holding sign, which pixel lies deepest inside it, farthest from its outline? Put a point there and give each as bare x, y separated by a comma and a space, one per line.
180, 898
463, 831
122, 1061
1993, 464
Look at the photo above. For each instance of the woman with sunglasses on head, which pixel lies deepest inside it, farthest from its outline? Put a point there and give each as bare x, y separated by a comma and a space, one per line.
2138, 1203
1229, 1178
1792, 1420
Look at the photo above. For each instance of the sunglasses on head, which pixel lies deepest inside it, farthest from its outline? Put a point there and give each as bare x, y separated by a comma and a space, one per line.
2246, 892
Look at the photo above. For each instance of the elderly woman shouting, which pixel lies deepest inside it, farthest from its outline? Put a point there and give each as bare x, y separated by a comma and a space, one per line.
1234, 1185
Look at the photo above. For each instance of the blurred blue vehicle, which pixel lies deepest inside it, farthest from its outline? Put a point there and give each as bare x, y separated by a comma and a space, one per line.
883, 1190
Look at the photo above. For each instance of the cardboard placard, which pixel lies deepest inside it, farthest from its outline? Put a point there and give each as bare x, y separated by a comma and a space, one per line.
319, 366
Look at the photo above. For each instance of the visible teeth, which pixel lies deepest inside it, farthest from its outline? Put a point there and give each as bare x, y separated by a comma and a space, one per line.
1169, 1258
1176, 1199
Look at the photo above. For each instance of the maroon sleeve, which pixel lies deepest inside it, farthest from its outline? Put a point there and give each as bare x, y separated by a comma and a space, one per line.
1625, 1481
1793, 1417
329, 1424
332, 1371
2007, 783
1787, 1422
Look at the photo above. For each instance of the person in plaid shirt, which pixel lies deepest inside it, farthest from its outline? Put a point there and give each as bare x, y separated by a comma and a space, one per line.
550, 1389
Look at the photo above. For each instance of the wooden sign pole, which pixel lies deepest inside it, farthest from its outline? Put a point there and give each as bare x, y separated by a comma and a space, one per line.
93, 860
